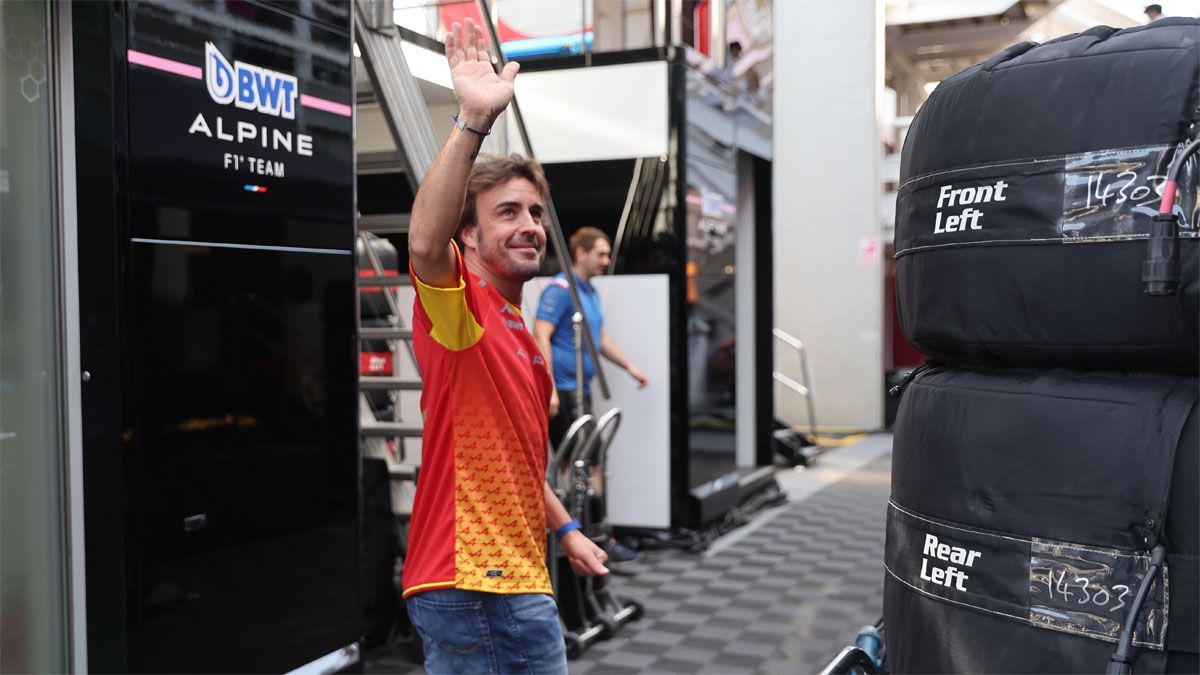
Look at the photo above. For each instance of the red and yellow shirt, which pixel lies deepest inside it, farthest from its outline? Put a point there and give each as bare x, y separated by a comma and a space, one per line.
479, 516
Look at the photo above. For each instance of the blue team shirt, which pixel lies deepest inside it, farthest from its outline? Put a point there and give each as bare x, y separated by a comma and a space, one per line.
555, 307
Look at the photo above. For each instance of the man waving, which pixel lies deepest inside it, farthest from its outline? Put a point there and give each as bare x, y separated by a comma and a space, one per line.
475, 577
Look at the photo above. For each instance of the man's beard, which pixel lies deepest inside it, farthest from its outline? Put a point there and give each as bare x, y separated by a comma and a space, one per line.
500, 259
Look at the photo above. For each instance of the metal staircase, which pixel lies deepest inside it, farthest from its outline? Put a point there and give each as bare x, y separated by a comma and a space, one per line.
399, 344
399, 95
385, 430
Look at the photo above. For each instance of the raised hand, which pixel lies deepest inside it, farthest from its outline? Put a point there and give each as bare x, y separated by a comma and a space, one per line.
482, 93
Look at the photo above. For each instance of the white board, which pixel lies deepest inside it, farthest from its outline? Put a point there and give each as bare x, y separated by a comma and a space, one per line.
636, 316
589, 114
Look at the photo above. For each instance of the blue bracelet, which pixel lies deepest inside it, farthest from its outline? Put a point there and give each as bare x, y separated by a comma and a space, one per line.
567, 527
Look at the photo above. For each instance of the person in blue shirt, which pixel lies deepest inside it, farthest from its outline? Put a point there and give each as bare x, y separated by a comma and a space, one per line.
554, 332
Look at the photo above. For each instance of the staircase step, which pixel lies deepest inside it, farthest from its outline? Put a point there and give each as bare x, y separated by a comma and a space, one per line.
385, 161
403, 471
393, 332
384, 223
374, 282
392, 429
376, 383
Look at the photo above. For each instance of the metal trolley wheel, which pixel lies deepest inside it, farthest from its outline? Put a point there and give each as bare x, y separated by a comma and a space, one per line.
574, 646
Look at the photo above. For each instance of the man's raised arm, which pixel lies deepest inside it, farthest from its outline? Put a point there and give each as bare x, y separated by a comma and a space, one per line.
482, 96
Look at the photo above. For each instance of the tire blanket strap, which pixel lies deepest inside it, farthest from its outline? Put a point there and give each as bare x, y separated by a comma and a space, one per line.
1054, 585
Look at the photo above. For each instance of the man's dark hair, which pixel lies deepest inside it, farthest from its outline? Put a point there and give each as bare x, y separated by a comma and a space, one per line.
735, 45
493, 171
585, 238
1153, 8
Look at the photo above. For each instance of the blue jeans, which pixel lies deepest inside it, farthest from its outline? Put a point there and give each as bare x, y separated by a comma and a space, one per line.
474, 632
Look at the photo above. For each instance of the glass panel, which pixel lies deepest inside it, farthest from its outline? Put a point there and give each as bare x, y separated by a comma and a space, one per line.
33, 630
711, 205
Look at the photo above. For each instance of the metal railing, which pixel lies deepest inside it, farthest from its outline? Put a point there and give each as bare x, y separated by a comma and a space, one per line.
804, 390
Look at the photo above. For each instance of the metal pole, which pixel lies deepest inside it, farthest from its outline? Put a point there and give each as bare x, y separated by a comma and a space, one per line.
716, 35
658, 23
796, 344
812, 412
676, 23
577, 331
555, 229
381, 16
633, 190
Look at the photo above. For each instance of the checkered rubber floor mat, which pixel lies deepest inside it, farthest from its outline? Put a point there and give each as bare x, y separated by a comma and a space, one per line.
784, 599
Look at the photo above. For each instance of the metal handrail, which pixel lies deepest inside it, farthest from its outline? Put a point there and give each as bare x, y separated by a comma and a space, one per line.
377, 267
804, 390
850, 660
406, 115
559, 469
624, 221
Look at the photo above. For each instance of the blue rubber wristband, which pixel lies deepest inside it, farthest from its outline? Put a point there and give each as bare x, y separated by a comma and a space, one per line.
567, 527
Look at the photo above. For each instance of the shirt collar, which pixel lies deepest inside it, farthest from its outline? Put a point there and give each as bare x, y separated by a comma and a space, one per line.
583, 284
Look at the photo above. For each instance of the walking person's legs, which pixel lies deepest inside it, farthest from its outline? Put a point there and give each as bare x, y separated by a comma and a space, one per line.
529, 634
472, 632
454, 631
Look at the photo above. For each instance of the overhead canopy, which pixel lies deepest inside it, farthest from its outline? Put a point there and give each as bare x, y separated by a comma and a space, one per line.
934, 38
928, 40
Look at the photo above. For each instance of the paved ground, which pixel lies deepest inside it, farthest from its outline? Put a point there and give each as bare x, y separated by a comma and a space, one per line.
780, 595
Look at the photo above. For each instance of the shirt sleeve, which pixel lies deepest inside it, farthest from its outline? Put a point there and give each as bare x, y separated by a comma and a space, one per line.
454, 325
555, 303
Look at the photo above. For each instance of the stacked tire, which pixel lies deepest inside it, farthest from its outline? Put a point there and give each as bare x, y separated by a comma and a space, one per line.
1052, 442
375, 357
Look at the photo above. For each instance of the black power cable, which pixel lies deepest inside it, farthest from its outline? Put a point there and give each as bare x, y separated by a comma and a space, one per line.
1160, 272
1121, 662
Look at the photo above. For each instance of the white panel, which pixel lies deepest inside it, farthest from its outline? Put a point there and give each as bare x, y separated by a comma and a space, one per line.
602, 112
427, 65
826, 200
371, 133
636, 315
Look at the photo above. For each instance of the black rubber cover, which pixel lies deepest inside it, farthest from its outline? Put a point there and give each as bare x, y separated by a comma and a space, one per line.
1104, 460
371, 303
1048, 272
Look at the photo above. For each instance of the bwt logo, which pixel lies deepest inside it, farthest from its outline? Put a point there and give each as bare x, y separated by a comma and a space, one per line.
249, 87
